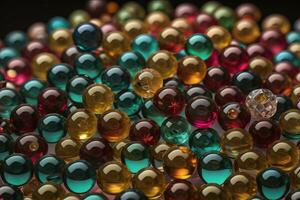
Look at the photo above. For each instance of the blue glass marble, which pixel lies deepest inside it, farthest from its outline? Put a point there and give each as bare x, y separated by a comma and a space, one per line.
273, 183
293, 36
133, 61
16, 40
116, 77
145, 44
6, 54
199, 45
202, 141
16, 170
87, 37
59, 75
128, 101
9, 99
52, 127
31, 90
215, 168
6, 146
57, 23
131, 194
88, 64
8, 192
49, 168
94, 196
79, 176
287, 56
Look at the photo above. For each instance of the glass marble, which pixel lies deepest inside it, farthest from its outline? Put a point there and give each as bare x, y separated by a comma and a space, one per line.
273, 40
113, 177
156, 22
157, 5
171, 39
94, 196
117, 149
279, 83
38, 31
78, 17
115, 43
41, 63
247, 81
295, 96
69, 55
157, 152
195, 91
283, 104
136, 156
150, 111
79, 176
210, 7
96, 151
17, 70
199, 45
128, 101
246, 31
219, 36
295, 177
6, 146
59, 40
59, 75
67, 149
276, 22
88, 64
215, 168
225, 16
294, 195
9, 99
295, 48
57, 23
81, 124
49, 168
273, 183
287, 56
48, 191
10, 192
216, 77
16, 39
131, 194
147, 82
133, 61
289, 122
257, 49
134, 27
191, 70
248, 11
31, 89
6, 54
150, 181
52, 127
145, 44
213, 191
180, 190
16, 170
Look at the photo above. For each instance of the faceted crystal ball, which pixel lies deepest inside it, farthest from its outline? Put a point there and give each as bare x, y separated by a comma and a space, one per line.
262, 103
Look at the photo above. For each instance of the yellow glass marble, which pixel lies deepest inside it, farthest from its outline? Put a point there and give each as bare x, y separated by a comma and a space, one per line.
67, 149
295, 95
251, 162
78, 17
96, 22
290, 123
48, 191
277, 22
283, 154
134, 27
179, 162
115, 43
147, 82
117, 148
236, 141
191, 70
164, 62
219, 36
241, 186
183, 25
261, 66
156, 22
213, 192
41, 63
295, 177
81, 124
157, 152
150, 181
60, 39
98, 98
171, 39
246, 31
295, 48
113, 177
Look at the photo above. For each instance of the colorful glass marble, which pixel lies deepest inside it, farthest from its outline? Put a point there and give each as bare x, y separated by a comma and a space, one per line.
133, 61
67, 149
6, 54
17, 70
246, 31
157, 153
31, 89
131, 194
76, 86
228, 94
180, 189
199, 45
219, 36
9, 99
289, 122
216, 77
59, 75
94, 196
88, 64
41, 63
150, 111
172, 38
10, 192
115, 43
128, 101
145, 44
213, 191
6, 146
247, 81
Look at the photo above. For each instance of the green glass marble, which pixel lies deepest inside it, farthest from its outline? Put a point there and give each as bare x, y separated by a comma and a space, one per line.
293, 36
128, 101
52, 127
150, 111
225, 16
6, 54
247, 81
94, 196
145, 44
132, 61
17, 170
284, 103
6, 146
135, 156
31, 90
215, 168
9, 99
16, 40
79, 176
49, 168
57, 23
175, 130
123, 15
202, 141
273, 183
287, 56
88, 64
210, 7
59, 75
158, 5
199, 45
135, 8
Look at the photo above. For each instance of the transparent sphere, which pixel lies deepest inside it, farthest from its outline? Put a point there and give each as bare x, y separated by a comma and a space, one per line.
219, 36
246, 31
115, 43
277, 22
290, 123
41, 63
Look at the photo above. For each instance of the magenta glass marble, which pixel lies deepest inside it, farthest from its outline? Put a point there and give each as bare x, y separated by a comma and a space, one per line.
273, 40
186, 10
257, 49
17, 71
203, 21
213, 60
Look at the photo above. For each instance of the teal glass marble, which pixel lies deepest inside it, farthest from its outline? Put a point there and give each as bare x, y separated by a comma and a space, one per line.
16, 40
284, 103
128, 101
31, 90
49, 169
8, 192
76, 86
225, 16
202, 141
9, 99
287, 56
59, 75
6, 146
135, 156
6, 54
215, 168
116, 77
181, 54
273, 183
145, 44
150, 111
199, 45
94, 196
175, 130
247, 81
57, 23
52, 127
293, 36
79, 176
133, 61
17, 170
88, 64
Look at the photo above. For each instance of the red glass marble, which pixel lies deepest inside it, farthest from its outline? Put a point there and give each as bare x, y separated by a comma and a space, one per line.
17, 71
69, 55
234, 59
186, 10
233, 115
273, 40
279, 83
203, 21
286, 68
257, 49
201, 112
216, 77
180, 190
24, 118
146, 131
213, 60
52, 100
169, 100
96, 151
264, 132
34, 48
31, 145
228, 94
6, 126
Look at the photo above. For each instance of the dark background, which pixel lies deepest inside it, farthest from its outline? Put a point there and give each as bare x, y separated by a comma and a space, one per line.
19, 14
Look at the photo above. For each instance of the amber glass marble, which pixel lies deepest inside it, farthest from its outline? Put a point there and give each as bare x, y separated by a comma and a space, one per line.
246, 31
115, 43
41, 63
290, 123
279, 83
261, 66
59, 40
48, 191
180, 190
248, 11
68, 149
156, 22
157, 152
219, 36
213, 192
295, 177
134, 27
171, 39
277, 22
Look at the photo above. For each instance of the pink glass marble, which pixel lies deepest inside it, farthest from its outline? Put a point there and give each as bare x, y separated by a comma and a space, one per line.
286, 68
187, 10
257, 49
273, 40
17, 71
203, 22
108, 28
